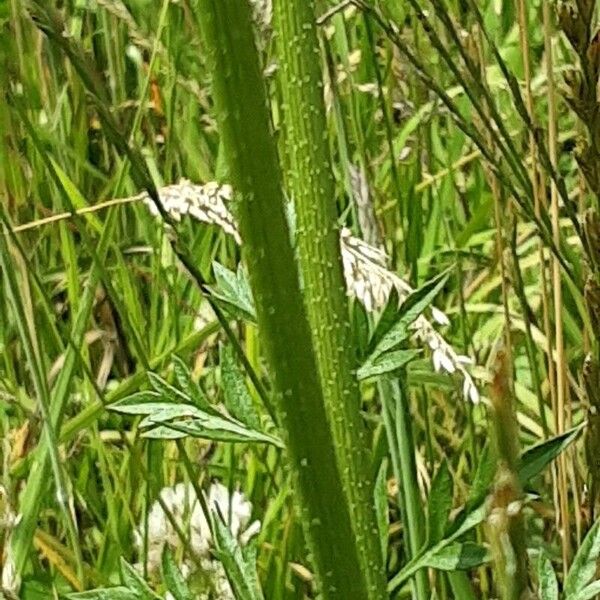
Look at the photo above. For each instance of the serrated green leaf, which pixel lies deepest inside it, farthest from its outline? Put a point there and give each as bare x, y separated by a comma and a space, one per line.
547, 583
440, 503
138, 398
166, 390
173, 578
386, 363
589, 592
156, 408
411, 308
161, 413
237, 397
250, 554
170, 420
189, 386
163, 432
584, 564
233, 292
217, 429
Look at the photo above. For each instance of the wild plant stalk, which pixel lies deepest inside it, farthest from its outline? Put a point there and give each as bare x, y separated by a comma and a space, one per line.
312, 188
563, 409
240, 99
539, 201
577, 24
505, 523
399, 431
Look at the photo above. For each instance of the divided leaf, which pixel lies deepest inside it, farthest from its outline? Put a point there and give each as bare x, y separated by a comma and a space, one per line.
237, 397
233, 292
172, 413
173, 578
239, 566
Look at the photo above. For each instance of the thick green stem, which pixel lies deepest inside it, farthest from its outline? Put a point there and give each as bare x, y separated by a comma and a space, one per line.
240, 99
312, 187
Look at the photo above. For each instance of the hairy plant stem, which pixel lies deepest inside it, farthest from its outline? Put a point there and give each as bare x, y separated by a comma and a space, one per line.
312, 187
240, 99
505, 522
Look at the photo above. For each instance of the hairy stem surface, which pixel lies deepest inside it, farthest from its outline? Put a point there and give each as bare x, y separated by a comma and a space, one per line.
240, 99
312, 187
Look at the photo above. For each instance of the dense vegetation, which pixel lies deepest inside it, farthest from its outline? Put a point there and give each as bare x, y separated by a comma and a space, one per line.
299, 300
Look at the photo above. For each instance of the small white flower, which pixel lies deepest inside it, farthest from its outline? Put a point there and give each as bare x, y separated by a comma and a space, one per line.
439, 316
473, 393
447, 363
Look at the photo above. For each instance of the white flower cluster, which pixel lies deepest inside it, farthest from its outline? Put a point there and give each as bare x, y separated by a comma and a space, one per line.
445, 357
206, 203
365, 268
369, 279
185, 508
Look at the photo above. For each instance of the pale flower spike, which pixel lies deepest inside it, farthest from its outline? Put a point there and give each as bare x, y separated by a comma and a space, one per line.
365, 267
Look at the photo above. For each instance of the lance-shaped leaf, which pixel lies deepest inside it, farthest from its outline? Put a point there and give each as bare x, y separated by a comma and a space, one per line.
173, 577
239, 566
584, 564
410, 309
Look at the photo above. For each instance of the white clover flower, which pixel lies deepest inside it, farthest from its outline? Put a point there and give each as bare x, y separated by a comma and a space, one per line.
365, 266
183, 504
